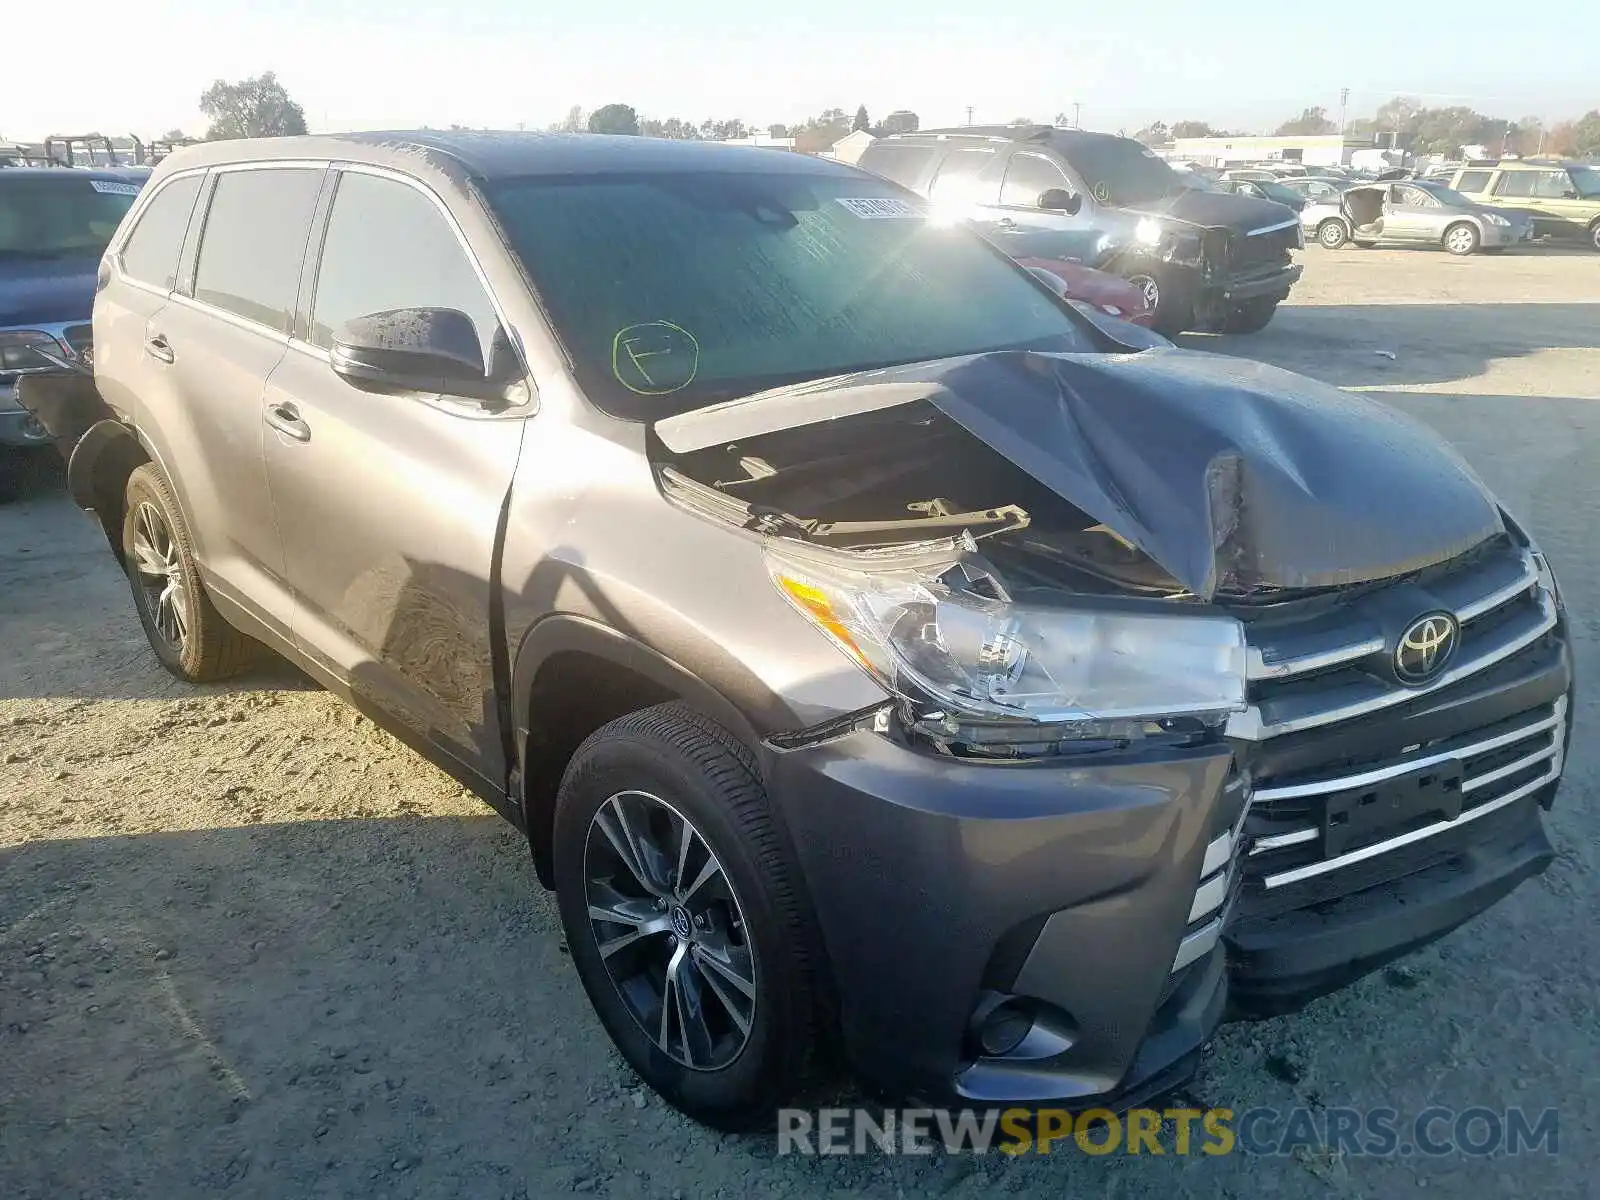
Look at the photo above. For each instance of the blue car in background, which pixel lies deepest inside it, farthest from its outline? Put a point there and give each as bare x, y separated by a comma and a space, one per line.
55, 223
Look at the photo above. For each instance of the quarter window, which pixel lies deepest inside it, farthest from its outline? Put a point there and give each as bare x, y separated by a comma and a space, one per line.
1027, 176
389, 247
150, 254
255, 242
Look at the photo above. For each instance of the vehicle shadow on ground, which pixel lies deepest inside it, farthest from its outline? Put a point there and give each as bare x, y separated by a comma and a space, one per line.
1352, 345
385, 1008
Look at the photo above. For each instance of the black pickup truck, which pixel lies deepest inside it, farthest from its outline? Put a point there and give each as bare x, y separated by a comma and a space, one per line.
1207, 260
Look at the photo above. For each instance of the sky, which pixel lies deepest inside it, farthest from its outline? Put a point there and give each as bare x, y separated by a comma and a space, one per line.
140, 65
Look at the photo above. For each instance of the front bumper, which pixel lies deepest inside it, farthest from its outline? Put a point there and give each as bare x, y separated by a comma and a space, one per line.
939, 882
1500, 235
1276, 282
18, 427
1114, 896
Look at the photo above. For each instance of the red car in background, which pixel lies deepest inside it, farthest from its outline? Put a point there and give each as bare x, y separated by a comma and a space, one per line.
1100, 290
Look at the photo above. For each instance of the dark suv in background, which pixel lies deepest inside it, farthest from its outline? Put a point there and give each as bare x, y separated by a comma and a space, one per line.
54, 226
873, 649
1207, 260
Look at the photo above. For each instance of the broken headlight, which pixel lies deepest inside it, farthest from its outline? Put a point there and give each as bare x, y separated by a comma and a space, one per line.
936, 626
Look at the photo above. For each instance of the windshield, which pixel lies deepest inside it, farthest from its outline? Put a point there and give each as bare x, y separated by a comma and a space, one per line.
671, 292
60, 214
1587, 181
1447, 196
1119, 171
1282, 193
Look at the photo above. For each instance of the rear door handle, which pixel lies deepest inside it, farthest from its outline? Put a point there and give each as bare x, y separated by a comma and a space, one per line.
1006, 223
158, 348
285, 418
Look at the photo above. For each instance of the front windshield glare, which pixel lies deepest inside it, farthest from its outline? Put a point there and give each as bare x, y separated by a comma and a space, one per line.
60, 216
675, 291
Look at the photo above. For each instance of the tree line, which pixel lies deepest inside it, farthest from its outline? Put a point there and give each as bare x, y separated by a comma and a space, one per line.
1420, 129
812, 135
262, 107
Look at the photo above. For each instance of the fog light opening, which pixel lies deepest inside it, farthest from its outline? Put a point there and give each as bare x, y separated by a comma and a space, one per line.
1003, 1030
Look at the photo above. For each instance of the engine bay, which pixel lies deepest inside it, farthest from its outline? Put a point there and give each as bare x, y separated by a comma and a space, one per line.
907, 474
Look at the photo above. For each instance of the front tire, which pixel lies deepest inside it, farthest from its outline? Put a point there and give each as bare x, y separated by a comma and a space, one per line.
1171, 310
685, 916
188, 635
1332, 234
1250, 316
1462, 239
1594, 235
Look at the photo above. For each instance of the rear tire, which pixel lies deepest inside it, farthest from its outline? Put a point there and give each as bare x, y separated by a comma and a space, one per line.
1594, 235
188, 635
1332, 234
1250, 316
748, 1036
1462, 239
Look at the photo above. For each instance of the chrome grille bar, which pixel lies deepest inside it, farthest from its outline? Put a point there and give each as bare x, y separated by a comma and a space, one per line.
1554, 725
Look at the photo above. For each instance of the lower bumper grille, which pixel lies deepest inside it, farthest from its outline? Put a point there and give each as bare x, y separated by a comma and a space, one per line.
1298, 855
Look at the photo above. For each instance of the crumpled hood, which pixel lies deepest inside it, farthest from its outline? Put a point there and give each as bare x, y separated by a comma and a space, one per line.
1221, 210
1230, 475
47, 290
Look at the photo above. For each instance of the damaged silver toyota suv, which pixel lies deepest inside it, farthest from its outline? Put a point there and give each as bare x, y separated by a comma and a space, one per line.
879, 654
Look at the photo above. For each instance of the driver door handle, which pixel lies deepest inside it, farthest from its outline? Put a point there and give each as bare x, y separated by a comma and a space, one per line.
1006, 223
158, 348
285, 418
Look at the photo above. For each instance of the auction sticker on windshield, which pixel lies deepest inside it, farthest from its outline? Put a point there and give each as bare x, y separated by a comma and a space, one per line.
113, 188
874, 209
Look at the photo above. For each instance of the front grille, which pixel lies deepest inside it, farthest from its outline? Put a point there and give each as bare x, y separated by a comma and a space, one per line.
1356, 780
1252, 252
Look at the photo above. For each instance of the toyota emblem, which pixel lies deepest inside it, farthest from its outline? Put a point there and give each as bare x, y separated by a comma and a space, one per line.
1425, 648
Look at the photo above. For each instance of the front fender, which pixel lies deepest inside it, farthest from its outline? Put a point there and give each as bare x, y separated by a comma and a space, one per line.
561, 633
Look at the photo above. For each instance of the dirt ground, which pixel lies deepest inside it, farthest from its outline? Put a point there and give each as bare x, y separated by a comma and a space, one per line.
251, 946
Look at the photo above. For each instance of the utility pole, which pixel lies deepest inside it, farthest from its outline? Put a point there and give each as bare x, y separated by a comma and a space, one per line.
1344, 105
969, 114
1076, 110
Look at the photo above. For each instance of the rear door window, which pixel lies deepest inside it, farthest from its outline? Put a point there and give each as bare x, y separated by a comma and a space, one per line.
957, 179
387, 247
1473, 182
1551, 185
903, 164
255, 242
150, 254
1027, 177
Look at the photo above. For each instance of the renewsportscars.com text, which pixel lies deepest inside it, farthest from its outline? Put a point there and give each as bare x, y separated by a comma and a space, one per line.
1372, 1132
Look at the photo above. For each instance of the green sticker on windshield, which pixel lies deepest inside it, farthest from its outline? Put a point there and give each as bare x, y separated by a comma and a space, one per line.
655, 358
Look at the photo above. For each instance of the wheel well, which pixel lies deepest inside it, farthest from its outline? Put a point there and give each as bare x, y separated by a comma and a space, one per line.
573, 694
1463, 223
106, 489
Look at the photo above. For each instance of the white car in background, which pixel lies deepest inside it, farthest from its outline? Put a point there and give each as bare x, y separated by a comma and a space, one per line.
1414, 211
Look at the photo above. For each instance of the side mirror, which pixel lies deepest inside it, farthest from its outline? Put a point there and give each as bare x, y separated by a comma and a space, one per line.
1060, 200
433, 350
1569, 194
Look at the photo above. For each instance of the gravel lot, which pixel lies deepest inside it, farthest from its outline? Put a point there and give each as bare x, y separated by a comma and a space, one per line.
251, 946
